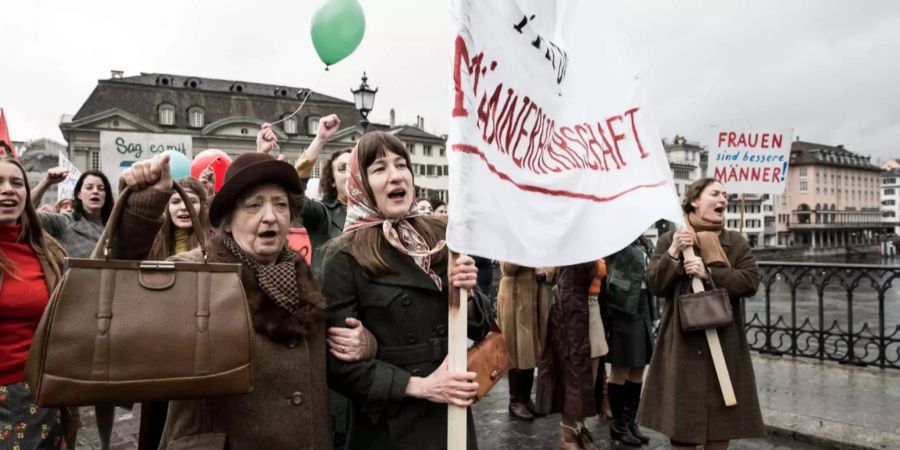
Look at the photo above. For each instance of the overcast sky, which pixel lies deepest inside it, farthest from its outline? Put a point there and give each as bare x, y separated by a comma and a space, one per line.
829, 69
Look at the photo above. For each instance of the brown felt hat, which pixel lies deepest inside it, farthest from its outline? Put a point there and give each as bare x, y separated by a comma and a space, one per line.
246, 172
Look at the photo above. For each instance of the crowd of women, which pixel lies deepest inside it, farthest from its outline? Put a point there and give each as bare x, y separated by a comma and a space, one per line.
368, 316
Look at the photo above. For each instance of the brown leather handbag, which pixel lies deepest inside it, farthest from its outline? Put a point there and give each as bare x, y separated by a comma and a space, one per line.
489, 359
120, 331
704, 310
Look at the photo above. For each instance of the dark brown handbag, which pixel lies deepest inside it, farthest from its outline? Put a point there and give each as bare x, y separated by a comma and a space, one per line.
127, 331
704, 310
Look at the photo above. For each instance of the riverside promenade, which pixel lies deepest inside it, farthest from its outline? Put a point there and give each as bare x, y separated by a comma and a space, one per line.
806, 405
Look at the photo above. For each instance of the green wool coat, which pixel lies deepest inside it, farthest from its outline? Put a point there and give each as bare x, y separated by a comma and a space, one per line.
681, 397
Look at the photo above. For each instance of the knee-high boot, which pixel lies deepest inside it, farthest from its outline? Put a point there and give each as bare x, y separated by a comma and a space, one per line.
632, 400
618, 430
518, 396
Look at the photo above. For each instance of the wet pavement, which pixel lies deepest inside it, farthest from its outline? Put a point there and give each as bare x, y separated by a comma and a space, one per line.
822, 405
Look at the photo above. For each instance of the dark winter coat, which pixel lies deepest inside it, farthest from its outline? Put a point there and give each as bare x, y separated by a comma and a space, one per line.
288, 408
565, 376
407, 314
323, 221
682, 398
629, 307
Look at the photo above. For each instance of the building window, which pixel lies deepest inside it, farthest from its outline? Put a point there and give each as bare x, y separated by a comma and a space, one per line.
317, 170
443, 151
446, 169
167, 114
430, 171
312, 125
421, 169
803, 186
196, 117
803, 171
888, 202
95, 160
290, 125
426, 150
890, 191
682, 174
411, 148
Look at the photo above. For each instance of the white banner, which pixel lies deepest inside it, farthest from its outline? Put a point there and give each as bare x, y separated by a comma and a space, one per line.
750, 161
119, 150
66, 189
554, 157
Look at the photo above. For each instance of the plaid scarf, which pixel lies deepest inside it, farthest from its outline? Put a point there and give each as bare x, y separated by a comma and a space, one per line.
278, 281
362, 213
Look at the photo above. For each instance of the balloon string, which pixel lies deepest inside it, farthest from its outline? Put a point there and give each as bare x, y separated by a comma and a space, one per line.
297, 111
305, 98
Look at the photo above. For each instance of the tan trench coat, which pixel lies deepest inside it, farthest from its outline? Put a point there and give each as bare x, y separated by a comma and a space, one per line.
522, 312
682, 398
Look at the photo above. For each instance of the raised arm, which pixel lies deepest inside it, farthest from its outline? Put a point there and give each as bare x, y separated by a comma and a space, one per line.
54, 175
151, 186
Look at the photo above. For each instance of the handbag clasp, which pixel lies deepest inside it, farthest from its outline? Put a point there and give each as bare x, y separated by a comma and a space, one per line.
157, 265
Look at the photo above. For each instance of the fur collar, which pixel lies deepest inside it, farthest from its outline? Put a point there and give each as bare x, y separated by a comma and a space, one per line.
268, 318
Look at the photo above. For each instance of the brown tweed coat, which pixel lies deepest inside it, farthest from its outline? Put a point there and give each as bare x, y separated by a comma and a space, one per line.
682, 398
288, 408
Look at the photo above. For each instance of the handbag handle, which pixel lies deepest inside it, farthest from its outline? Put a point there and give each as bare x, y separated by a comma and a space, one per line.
106, 239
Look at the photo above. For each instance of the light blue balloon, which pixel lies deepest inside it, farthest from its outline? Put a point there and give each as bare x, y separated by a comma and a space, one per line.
179, 164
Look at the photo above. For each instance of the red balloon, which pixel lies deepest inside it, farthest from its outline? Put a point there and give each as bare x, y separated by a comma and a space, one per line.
217, 159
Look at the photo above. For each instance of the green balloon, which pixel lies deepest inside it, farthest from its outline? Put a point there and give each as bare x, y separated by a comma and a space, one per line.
337, 29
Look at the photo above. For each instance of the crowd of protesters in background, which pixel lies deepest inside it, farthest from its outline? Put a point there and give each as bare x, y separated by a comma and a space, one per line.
371, 308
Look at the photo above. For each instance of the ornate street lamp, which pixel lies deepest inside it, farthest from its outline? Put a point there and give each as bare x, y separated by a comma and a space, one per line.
364, 97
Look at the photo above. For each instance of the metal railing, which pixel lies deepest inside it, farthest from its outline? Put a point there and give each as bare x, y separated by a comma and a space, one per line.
849, 313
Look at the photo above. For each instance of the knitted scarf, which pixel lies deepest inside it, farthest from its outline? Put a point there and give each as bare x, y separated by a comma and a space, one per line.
708, 239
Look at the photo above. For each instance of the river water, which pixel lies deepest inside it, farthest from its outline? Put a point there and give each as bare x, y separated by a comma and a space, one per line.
836, 307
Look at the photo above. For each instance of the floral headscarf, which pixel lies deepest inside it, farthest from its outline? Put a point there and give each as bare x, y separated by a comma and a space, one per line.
362, 213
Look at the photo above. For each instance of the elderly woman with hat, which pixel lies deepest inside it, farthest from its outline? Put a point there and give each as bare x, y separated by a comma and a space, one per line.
288, 407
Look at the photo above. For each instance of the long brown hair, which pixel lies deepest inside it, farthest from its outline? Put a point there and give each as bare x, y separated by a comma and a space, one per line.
33, 234
693, 193
367, 245
164, 244
327, 190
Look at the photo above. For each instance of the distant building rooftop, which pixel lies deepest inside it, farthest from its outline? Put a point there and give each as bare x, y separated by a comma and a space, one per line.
810, 153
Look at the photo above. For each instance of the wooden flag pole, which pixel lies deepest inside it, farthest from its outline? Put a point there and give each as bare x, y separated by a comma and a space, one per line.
456, 358
715, 347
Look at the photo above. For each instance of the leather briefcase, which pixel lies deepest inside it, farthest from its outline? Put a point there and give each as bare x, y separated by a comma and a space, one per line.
704, 310
120, 331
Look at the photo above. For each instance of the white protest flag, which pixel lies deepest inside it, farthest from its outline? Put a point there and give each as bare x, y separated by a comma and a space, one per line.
554, 157
66, 189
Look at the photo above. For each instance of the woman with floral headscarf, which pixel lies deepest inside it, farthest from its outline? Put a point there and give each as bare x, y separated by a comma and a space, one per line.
389, 269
